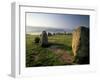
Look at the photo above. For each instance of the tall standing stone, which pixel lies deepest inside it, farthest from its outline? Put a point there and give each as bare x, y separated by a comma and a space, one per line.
44, 39
80, 45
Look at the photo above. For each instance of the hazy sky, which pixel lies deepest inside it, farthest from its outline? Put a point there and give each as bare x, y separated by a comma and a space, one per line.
62, 21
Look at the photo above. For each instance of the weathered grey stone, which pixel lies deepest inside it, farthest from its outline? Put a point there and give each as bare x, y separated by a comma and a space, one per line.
44, 39
80, 45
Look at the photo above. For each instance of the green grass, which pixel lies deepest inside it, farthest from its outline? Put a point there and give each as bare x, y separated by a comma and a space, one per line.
39, 56
64, 41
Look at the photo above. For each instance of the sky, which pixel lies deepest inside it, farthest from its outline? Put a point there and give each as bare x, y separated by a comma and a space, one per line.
60, 21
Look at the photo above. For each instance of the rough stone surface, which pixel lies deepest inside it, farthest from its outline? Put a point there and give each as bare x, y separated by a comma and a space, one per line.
44, 39
80, 45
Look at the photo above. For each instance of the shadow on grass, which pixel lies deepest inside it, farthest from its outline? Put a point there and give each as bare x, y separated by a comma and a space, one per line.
61, 46
42, 56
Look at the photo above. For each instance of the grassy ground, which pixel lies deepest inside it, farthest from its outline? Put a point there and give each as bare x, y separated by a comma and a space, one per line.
39, 56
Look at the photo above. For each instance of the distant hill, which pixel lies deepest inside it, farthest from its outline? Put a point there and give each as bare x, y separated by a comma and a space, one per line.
30, 29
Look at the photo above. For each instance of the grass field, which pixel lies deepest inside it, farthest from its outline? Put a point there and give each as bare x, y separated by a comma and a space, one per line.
58, 53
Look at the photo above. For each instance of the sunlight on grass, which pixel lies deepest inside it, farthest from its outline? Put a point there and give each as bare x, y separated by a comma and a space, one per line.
39, 56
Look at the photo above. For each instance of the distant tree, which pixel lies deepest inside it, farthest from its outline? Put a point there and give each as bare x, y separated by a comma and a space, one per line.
49, 34
54, 33
69, 33
60, 33
37, 39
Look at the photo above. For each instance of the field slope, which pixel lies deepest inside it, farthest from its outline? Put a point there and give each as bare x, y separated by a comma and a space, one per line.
59, 52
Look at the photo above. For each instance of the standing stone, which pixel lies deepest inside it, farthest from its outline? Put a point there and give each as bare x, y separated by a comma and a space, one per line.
44, 39
80, 45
